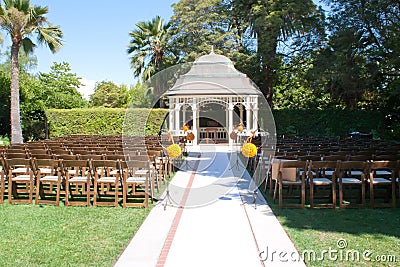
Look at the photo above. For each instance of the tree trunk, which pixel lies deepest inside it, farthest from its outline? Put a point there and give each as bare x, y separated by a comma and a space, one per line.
16, 129
267, 45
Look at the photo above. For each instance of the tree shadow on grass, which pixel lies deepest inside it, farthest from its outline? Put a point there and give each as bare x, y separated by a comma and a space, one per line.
384, 221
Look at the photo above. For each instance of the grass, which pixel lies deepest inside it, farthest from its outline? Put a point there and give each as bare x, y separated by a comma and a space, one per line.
58, 236
46, 235
318, 229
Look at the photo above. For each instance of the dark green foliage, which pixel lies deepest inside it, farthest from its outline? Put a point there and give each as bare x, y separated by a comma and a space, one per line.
104, 121
142, 121
281, 28
109, 95
329, 123
59, 88
196, 25
359, 65
5, 83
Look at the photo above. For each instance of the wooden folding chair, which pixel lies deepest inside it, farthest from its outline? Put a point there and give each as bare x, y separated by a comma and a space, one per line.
42, 156
107, 182
78, 179
20, 180
322, 174
90, 157
382, 174
352, 176
11, 155
3, 178
265, 163
153, 171
291, 174
48, 176
158, 161
136, 179
66, 157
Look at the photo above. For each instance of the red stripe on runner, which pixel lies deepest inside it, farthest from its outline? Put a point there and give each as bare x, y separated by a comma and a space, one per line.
171, 234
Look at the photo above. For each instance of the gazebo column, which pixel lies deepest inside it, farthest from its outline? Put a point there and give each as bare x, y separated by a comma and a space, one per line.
226, 118
177, 109
194, 122
255, 113
184, 114
255, 118
171, 114
241, 113
248, 114
230, 120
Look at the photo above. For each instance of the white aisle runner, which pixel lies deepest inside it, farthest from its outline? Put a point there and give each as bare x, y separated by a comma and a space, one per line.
218, 224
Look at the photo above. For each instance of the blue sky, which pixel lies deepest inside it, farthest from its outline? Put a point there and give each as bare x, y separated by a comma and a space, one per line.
96, 36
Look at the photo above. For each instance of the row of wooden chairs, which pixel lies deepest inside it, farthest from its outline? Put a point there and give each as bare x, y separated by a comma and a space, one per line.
325, 179
320, 146
80, 181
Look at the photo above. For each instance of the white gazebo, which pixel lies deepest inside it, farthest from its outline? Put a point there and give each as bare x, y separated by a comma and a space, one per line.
212, 98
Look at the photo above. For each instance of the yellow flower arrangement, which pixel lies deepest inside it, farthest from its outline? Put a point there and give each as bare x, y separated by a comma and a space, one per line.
185, 128
240, 128
249, 150
174, 151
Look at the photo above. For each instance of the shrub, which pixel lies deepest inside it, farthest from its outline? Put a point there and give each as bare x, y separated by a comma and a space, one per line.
328, 123
143, 121
103, 121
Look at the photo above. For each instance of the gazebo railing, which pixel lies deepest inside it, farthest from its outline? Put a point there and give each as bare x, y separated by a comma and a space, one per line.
217, 134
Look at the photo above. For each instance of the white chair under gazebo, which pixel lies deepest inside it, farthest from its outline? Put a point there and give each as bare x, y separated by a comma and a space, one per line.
213, 98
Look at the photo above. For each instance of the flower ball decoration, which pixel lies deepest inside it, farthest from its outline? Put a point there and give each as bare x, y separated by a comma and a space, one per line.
190, 136
185, 128
249, 150
233, 135
174, 151
240, 127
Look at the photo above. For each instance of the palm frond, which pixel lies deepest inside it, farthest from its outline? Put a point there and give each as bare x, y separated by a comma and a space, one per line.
51, 36
8, 4
28, 45
37, 16
147, 45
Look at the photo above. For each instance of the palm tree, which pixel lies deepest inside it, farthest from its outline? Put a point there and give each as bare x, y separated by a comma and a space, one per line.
148, 47
21, 20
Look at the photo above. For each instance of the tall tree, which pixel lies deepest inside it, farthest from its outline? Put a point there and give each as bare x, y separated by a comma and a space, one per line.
282, 28
138, 96
59, 87
196, 25
148, 47
367, 34
109, 95
21, 20
199, 24
343, 72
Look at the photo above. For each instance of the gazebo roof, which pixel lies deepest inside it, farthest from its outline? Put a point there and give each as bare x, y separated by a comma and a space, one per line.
213, 74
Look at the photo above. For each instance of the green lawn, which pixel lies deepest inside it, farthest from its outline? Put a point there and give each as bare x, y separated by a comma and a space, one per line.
46, 235
65, 236
373, 232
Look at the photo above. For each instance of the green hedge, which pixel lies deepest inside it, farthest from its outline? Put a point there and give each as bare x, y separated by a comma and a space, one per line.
328, 123
104, 121
303, 123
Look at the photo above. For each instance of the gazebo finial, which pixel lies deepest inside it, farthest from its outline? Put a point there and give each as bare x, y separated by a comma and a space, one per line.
212, 50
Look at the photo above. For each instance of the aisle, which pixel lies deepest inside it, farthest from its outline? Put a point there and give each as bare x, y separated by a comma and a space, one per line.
208, 222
